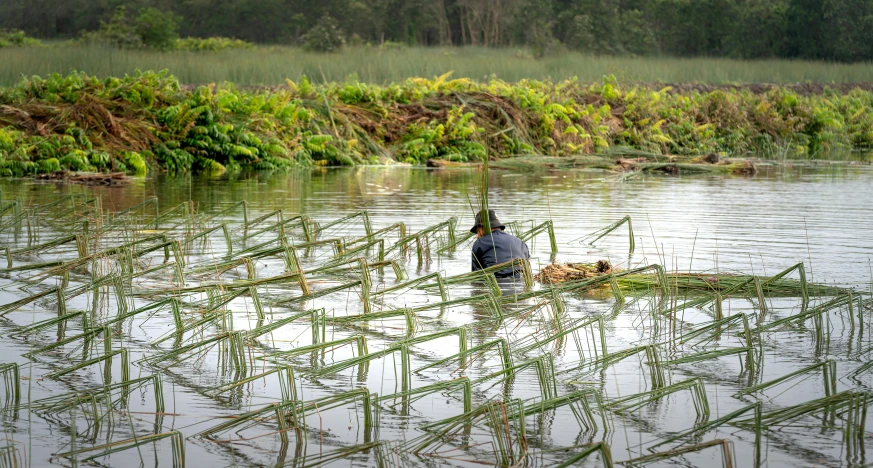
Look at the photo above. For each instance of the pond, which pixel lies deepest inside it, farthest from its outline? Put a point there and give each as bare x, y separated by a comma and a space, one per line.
607, 354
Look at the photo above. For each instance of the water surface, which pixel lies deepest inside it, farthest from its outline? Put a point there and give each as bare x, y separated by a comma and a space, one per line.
759, 225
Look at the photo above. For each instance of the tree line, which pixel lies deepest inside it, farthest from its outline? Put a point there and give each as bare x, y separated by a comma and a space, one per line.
840, 30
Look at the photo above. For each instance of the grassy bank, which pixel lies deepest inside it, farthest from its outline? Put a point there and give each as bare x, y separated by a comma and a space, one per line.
272, 65
150, 122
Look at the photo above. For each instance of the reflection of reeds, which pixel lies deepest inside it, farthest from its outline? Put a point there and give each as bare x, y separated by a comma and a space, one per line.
502, 422
756, 426
599, 447
828, 368
176, 439
11, 385
202, 277
695, 386
12, 456
291, 415
726, 446
113, 397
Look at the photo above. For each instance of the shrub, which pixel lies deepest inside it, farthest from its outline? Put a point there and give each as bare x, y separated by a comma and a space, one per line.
136, 162
638, 37
157, 29
392, 45
210, 44
17, 38
326, 36
357, 41
151, 28
118, 32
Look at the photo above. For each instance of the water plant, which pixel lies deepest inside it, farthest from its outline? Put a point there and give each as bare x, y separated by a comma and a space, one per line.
290, 324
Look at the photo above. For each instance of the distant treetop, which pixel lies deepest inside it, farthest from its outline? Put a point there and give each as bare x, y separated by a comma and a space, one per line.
839, 30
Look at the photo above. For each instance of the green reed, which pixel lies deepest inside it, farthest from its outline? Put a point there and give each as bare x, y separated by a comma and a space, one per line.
11, 385
726, 447
194, 275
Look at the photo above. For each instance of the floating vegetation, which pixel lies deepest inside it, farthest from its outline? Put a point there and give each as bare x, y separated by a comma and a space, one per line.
560, 273
150, 122
87, 178
147, 334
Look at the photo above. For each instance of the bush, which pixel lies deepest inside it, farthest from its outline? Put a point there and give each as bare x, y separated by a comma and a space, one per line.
392, 45
210, 44
357, 41
151, 28
157, 29
326, 36
118, 32
638, 38
17, 38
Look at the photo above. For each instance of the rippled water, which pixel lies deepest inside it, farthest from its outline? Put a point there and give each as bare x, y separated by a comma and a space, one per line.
761, 225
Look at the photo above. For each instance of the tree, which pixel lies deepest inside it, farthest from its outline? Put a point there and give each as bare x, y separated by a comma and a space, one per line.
810, 29
761, 30
803, 19
848, 30
326, 36
157, 29
637, 35
591, 26
119, 31
533, 24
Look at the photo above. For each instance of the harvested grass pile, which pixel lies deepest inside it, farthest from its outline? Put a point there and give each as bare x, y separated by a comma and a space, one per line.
149, 121
563, 272
675, 166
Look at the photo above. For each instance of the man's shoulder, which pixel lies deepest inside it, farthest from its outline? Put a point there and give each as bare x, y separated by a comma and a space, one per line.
517, 240
510, 236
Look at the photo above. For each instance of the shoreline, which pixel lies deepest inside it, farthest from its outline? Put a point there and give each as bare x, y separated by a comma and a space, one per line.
151, 123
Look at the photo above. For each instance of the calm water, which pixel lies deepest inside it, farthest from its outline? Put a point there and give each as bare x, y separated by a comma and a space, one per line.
822, 217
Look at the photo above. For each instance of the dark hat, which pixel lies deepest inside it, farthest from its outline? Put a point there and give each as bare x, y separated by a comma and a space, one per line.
492, 220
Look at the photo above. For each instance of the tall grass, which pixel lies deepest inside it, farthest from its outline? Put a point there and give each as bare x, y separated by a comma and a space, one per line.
272, 65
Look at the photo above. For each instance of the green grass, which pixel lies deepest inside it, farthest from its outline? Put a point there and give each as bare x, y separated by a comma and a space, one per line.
272, 65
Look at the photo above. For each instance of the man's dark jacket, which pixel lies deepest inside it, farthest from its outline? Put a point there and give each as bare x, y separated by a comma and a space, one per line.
498, 247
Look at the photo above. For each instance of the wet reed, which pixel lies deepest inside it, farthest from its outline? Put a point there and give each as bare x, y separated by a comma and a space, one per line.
226, 285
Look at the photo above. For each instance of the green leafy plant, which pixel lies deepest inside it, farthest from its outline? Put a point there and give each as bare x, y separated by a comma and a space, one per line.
147, 121
158, 29
325, 36
17, 38
120, 32
151, 28
210, 44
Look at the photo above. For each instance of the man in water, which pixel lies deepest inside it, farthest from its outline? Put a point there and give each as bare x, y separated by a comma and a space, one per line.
496, 247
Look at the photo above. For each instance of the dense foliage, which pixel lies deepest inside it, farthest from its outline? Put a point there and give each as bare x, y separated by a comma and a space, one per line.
149, 121
210, 44
326, 36
17, 38
149, 28
812, 29
154, 29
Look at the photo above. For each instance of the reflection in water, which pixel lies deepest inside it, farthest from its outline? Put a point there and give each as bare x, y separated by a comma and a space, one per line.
762, 225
